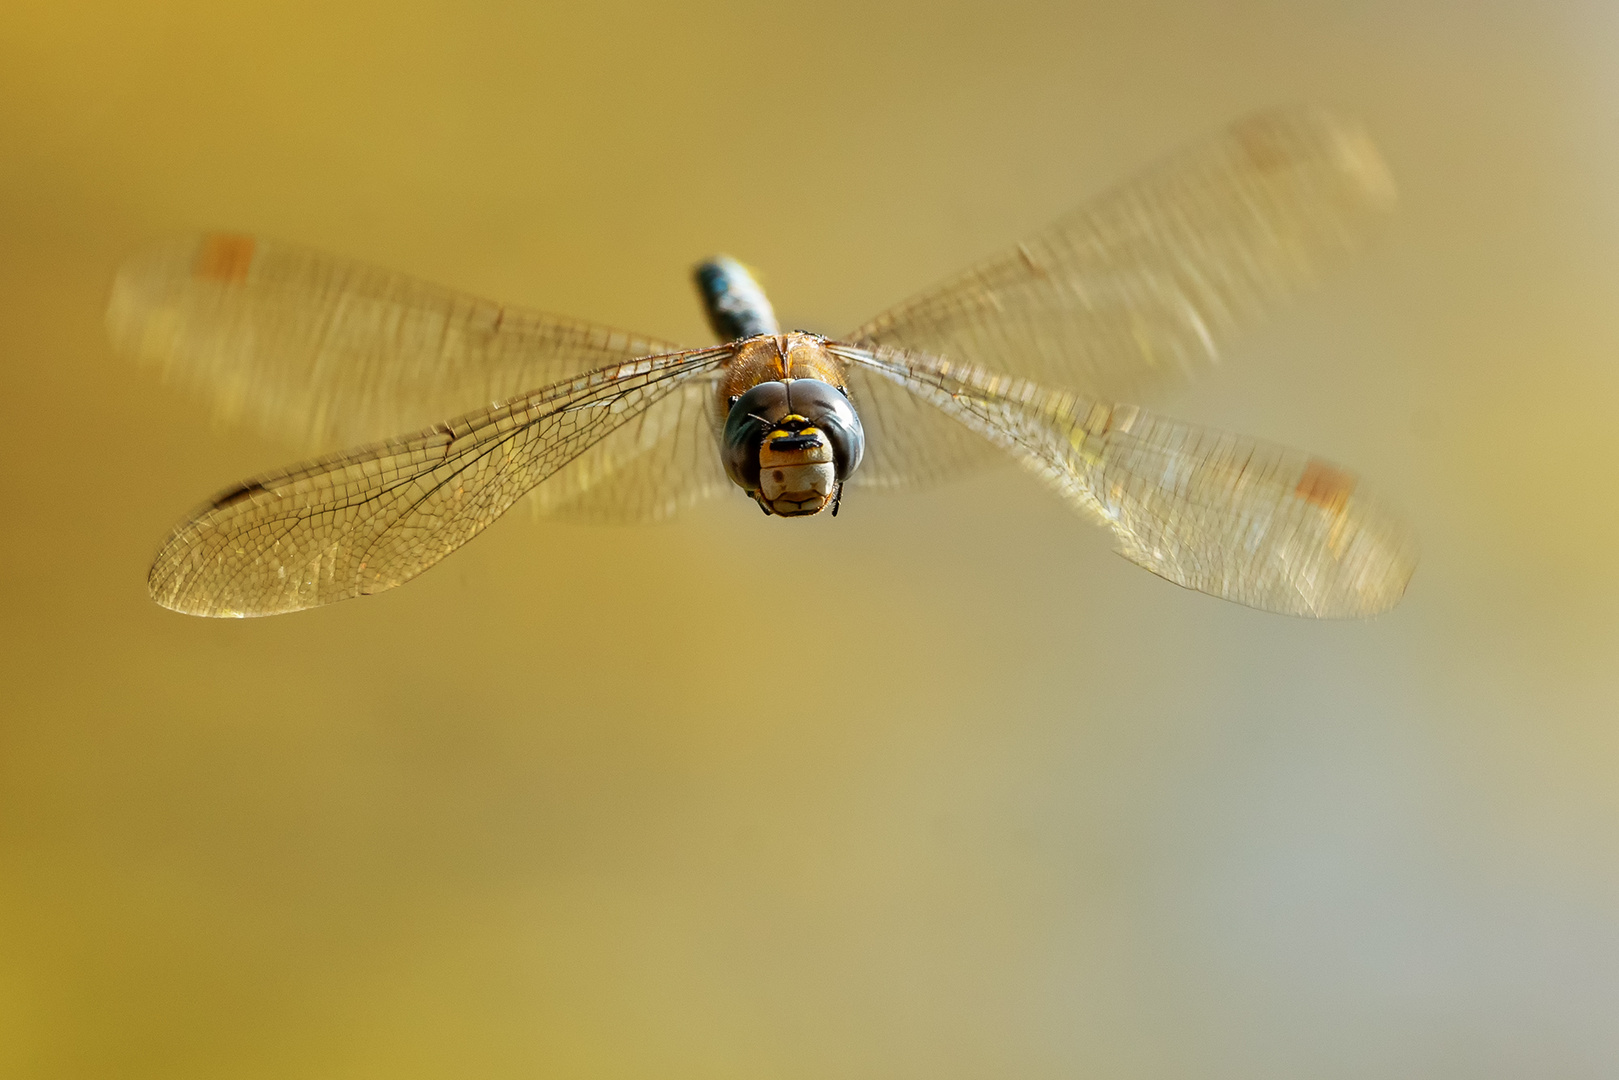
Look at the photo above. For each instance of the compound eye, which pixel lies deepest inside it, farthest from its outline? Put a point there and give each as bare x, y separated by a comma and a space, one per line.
743, 435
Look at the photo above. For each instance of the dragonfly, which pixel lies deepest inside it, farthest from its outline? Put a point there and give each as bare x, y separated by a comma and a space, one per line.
1025, 355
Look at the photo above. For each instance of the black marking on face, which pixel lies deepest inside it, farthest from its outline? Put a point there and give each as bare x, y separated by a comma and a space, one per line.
795, 442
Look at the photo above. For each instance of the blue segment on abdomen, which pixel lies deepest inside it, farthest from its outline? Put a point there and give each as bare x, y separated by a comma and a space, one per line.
737, 307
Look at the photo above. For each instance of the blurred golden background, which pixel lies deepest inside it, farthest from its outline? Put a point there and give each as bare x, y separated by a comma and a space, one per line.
560, 809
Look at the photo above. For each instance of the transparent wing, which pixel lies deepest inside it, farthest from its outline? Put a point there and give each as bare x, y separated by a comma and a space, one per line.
1146, 282
1262, 525
651, 468
367, 520
909, 442
326, 351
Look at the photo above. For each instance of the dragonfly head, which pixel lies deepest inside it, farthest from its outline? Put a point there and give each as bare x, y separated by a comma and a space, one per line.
791, 444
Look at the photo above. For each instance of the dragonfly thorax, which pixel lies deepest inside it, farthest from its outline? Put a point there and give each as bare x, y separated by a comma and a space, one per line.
791, 443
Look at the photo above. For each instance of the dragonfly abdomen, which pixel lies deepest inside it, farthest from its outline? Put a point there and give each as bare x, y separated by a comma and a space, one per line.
737, 307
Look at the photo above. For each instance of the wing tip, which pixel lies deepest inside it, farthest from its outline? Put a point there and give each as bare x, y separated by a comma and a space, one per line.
1276, 140
148, 288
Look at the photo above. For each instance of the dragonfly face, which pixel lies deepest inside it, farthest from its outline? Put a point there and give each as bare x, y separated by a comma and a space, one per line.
791, 444
1019, 357
790, 437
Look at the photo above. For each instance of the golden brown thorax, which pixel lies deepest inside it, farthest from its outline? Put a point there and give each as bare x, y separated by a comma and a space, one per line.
777, 356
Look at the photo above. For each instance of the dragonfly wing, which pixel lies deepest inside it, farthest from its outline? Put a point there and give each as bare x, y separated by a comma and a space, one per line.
909, 442
369, 519
1146, 283
327, 351
1259, 524
651, 468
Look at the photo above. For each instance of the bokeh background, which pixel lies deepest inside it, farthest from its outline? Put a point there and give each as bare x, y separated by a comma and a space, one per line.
564, 806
